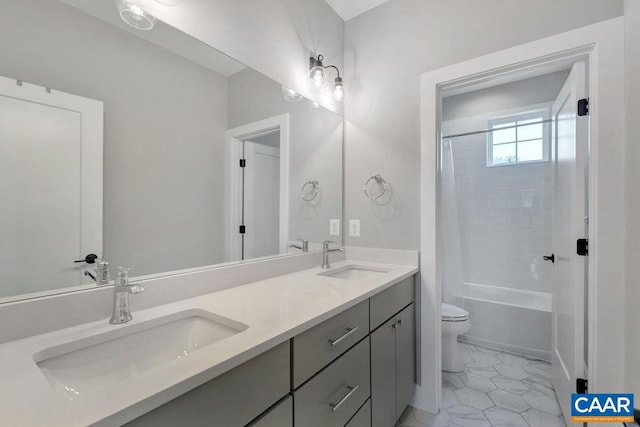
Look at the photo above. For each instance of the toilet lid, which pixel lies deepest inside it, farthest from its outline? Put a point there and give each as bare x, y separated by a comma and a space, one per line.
451, 312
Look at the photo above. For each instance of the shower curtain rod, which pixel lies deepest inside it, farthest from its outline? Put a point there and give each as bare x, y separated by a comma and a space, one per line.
477, 132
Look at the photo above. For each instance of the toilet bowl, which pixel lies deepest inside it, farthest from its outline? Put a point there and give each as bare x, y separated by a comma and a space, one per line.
455, 321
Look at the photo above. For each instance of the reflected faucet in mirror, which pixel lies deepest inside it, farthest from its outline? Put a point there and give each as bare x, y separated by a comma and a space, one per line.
101, 274
303, 246
121, 291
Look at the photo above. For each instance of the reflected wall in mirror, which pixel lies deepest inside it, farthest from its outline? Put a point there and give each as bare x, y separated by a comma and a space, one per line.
168, 192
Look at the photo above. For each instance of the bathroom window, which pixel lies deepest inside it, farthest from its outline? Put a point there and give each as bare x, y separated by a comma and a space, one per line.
517, 139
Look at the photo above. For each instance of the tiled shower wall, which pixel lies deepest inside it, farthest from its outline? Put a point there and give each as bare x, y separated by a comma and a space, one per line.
504, 214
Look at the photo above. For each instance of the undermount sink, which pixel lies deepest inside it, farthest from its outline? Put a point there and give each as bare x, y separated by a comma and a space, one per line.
355, 272
78, 367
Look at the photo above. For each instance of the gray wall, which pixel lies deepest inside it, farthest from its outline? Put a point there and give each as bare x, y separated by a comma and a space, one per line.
315, 150
158, 107
632, 342
386, 51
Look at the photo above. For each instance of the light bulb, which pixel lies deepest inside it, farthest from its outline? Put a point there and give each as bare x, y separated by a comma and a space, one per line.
135, 15
338, 93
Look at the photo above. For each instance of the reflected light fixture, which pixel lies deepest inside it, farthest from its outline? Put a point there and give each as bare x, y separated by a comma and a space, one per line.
318, 82
135, 16
290, 95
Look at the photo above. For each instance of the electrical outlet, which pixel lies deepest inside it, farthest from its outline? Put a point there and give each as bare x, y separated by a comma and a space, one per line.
334, 227
354, 227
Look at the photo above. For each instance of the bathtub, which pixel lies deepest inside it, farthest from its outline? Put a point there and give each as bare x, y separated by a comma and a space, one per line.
508, 319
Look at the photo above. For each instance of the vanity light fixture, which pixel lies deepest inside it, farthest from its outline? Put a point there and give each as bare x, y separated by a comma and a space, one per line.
135, 16
318, 82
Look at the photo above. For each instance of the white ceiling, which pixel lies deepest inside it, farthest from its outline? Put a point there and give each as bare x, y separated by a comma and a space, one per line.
348, 9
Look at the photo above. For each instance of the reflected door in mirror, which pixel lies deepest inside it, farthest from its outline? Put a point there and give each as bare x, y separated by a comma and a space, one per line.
41, 189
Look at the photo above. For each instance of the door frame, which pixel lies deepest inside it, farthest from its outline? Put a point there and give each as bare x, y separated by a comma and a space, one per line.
233, 187
91, 161
601, 45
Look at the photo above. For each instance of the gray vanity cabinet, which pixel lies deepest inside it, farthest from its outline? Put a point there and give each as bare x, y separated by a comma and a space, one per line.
281, 415
232, 399
362, 418
393, 364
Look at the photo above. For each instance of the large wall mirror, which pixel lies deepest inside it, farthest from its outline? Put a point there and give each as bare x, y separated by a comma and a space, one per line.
149, 149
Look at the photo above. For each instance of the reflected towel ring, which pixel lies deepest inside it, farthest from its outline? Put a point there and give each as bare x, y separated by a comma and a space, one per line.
380, 181
309, 190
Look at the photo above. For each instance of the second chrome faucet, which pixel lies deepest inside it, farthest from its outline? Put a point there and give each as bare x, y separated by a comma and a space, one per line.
325, 253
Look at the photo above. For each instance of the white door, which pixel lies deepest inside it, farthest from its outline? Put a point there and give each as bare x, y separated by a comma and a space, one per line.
569, 151
47, 219
261, 200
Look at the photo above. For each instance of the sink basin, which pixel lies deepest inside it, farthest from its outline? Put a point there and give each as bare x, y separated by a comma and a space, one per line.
98, 361
355, 272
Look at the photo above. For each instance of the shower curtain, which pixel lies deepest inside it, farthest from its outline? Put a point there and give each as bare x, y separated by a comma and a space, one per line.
452, 267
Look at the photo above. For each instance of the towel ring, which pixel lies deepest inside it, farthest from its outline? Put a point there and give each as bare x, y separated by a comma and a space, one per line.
309, 188
380, 181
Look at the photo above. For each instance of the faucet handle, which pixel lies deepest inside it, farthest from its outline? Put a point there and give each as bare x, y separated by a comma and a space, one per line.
136, 289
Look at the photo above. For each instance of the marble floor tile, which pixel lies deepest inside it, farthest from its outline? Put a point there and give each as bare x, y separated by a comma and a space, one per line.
542, 401
537, 369
511, 371
537, 418
474, 398
466, 416
449, 398
511, 385
478, 382
509, 401
510, 359
482, 369
452, 381
432, 420
500, 417
487, 358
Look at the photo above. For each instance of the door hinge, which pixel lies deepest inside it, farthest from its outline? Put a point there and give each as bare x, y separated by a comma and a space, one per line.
243, 163
583, 107
582, 247
243, 229
582, 385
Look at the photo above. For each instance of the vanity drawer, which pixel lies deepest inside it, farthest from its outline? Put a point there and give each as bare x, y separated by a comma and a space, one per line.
362, 418
333, 396
232, 399
317, 347
390, 301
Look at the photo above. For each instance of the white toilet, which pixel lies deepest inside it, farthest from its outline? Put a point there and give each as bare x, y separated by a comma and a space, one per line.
455, 321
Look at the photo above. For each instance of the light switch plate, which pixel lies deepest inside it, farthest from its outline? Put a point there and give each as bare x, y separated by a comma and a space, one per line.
334, 227
354, 228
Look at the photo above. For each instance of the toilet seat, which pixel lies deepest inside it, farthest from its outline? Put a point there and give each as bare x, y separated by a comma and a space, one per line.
451, 313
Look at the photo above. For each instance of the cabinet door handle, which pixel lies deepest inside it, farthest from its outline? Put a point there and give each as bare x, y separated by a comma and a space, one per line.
336, 406
343, 337
398, 323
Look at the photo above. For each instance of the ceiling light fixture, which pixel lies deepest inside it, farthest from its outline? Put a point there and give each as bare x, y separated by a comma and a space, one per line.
135, 16
318, 82
290, 95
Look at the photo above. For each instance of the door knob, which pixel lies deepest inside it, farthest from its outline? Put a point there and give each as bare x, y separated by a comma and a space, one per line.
551, 258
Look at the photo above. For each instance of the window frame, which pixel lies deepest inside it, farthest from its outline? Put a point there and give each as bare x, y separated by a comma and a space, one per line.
545, 113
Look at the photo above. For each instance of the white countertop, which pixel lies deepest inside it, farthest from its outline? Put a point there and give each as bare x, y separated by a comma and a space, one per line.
275, 310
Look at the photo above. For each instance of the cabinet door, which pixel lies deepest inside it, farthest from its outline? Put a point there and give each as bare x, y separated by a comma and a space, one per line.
383, 375
281, 415
405, 357
362, 418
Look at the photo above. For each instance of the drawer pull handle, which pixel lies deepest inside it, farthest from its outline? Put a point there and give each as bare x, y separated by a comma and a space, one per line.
343, 337
336, 406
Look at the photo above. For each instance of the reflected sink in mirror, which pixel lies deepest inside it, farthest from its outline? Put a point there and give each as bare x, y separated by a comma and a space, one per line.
355, 272
77, 368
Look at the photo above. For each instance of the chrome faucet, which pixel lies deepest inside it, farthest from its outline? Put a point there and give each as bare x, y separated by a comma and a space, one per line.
304, 247
325, 253
101, 274
121, 290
